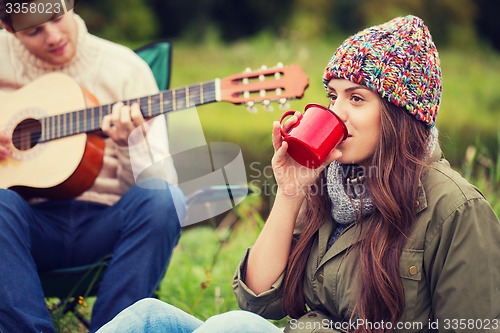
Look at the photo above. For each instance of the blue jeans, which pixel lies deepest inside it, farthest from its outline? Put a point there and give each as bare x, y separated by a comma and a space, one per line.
140, 231
154, 316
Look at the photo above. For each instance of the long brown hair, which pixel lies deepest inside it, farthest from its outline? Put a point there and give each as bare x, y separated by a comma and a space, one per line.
398, 161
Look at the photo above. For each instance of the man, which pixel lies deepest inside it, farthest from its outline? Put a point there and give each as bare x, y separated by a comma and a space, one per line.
137, 225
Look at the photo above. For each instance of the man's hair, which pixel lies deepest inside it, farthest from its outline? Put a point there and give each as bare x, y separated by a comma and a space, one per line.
3, 12
4, 16
9, 6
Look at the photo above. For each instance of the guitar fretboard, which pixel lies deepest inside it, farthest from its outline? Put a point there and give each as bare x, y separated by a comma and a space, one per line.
90, 119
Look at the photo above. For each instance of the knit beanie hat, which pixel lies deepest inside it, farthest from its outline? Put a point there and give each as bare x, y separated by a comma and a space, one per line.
398, 60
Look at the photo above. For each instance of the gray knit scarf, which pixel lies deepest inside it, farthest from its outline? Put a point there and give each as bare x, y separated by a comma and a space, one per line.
349, 195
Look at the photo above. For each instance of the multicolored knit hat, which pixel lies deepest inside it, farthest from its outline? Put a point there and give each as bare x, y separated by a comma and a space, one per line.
398, 60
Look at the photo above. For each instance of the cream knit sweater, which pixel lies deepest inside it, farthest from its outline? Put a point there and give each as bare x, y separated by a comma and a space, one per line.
111, 72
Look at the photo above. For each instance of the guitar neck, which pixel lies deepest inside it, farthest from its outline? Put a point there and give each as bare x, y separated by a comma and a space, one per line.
90, 119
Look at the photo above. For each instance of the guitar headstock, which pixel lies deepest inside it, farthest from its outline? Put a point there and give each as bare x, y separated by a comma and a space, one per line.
264, 86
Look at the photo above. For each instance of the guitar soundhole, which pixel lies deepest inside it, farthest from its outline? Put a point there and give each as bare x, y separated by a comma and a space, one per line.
27, 134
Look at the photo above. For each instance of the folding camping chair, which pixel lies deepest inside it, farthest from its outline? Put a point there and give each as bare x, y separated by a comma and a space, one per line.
72, 285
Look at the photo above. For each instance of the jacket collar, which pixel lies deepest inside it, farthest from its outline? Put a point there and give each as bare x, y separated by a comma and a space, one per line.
421, 203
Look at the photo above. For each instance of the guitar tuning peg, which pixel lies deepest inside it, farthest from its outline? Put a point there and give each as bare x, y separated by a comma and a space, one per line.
267, 105
248, 69
279, 65
251, 107
284, 104
263, 67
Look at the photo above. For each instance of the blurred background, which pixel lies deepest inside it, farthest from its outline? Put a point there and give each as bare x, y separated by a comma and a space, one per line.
217, 38
214, 38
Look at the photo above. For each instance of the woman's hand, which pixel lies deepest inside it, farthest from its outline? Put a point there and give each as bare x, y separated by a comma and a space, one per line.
4, 146
121, 122
293, 179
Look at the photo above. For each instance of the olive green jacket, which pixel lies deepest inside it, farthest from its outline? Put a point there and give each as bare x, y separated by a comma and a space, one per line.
450, 267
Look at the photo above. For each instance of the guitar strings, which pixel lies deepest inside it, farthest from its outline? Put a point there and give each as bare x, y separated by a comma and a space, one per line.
31, 131
156, 110
36, 131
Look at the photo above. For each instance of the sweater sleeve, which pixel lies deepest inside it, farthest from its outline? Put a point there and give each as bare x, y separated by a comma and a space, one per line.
155, 161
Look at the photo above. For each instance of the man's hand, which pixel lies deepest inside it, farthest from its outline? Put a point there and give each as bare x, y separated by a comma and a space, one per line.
121, 122
4, 146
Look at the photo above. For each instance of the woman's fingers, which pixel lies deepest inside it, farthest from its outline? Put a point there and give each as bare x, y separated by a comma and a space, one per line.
288, 124
335, 154
285, 127
276, 136
280, 156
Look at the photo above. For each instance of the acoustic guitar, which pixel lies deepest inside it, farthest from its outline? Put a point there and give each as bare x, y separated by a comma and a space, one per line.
57, 153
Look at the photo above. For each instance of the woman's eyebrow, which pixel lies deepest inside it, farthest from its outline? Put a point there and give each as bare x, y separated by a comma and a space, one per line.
356, 87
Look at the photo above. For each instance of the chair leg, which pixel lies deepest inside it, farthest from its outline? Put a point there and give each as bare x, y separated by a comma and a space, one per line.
82, 319
65, 306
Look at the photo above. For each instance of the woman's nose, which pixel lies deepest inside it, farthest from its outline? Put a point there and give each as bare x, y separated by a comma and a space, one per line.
339, 110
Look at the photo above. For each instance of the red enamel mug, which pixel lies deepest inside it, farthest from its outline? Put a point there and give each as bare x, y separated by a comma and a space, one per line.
311, 139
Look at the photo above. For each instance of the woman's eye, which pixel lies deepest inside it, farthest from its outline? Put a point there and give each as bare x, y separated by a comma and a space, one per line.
356, 98
331, 97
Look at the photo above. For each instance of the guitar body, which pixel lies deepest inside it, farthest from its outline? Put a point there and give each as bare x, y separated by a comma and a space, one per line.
57, 169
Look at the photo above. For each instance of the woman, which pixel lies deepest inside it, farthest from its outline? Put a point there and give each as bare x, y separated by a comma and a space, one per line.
385, 236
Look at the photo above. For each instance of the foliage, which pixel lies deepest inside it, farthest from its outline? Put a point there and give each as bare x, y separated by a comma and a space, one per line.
450, 21
482, 167
119, 20
487, 22
232, 19
453, 22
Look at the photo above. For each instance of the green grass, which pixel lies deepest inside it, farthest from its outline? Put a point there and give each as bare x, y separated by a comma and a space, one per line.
199, 277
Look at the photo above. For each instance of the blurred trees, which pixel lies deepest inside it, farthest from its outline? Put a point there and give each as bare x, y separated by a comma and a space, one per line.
119, 20
487, 21
230, 19
452, 22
